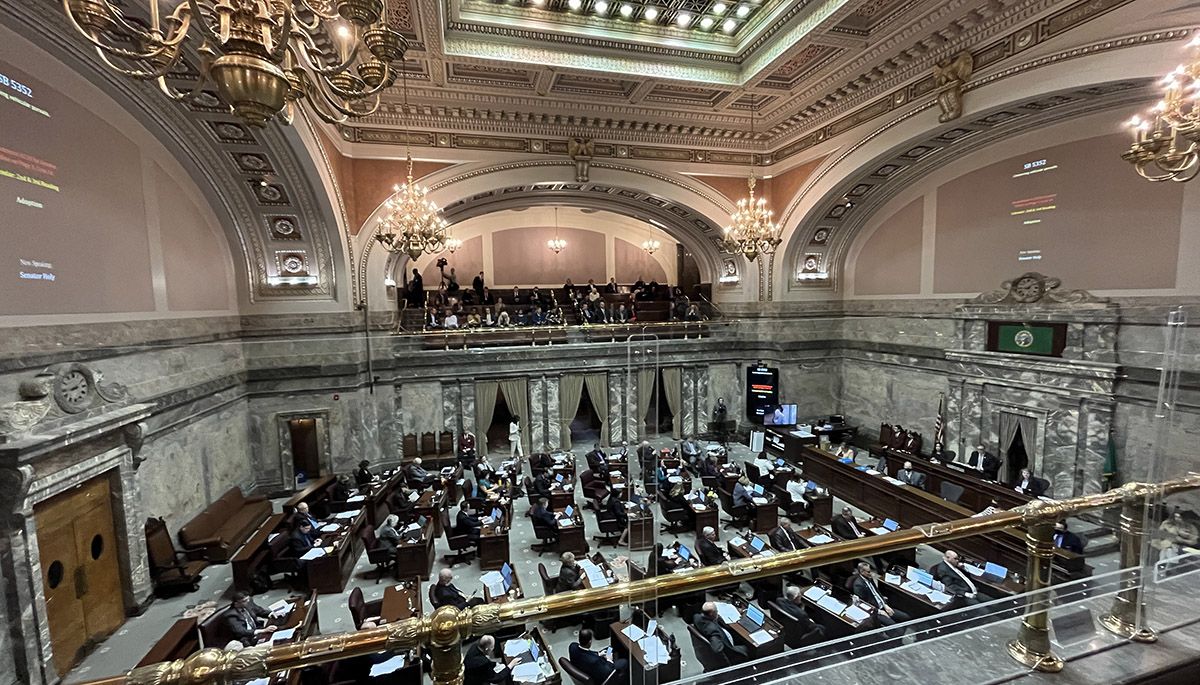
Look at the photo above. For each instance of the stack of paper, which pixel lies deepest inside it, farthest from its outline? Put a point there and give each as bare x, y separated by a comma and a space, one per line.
738, 541
356, 498
760, 637
973, 570
284, 634
527, 673
939, 597
390, 666
880, 530
856, 614
728, 612
891, 579
516, 647
814, 593
832, 604
820, 539
893, 481
494, 582
917, 588
654, 649
281, 607
347, 515
699, 507
766, 553
761, 501
314, 553
330, 528
633, 632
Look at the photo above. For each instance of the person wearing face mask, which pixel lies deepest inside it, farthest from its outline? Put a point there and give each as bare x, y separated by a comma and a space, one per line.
1065, 539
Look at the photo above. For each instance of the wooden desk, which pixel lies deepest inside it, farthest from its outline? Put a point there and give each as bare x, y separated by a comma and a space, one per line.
401, 602
573, 538
837, 624
709, 516
912, 603
514, 593
615, 463
913, 507
493, 545
330, 573
315, 493
257, 551
821, 506
739, 548
180, 641
414, 559
641, 672
641, 529
535, 635
977, 492
601, 563
430, 505
766, 516
560, 496
740, 634
729, 475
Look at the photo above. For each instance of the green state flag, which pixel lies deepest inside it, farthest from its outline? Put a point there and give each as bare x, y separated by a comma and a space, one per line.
1025, 339
1110, 462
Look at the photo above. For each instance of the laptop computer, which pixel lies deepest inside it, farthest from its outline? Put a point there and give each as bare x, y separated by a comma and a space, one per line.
569, 511
757, 544
891, 525
497, 514
507, 572
752, 618
684, 552
994, 573
559, 478
758, 489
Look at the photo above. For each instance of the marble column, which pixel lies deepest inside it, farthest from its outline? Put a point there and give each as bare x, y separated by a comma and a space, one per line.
616, 407
1095, 421
537, 414
629, 406
398, 417
687, 412
954, 420
554, 417
466, 398
451, 406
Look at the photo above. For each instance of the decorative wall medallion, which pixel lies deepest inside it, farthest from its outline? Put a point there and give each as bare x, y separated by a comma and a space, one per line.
229, 132
1023, 338
284, 228
292, 263
269, 193
729, 272
820, 236
811, 263
1032, 288
252, 163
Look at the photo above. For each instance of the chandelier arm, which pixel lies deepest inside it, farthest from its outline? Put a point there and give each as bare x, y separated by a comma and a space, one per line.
121, 21
307, 48
209, 34
328, 14
140, 74
125, 53
322, 85
205, 79
285, 33
1183, 178
1140, 167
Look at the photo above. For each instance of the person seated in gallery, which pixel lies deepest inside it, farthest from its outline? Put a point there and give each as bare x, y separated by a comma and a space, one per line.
245, 621
452, 281
418, 474
503, 319
438, 297
1029, 484
522, 318
450, 321
1065, 539
516, 296
611, 287
568, 289
535, 296
488, 320
538, 318
446, 594
473, 320
693, 313
432, 320
593, 295
487, 298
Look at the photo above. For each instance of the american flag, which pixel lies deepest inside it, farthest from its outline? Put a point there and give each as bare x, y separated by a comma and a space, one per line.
939, 427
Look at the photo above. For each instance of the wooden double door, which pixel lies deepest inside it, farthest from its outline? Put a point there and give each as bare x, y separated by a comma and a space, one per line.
81, 574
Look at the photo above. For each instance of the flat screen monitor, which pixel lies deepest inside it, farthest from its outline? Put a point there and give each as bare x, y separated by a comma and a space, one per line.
684, 552
534, 651
756, 543
758, 489
569, 511
924, 577
997, 570
559, 478
762, 392
782, 415
837, 419
755, 614
497, 514
891, 525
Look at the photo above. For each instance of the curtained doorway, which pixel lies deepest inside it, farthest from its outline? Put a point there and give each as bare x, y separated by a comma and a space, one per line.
497, 432
659, 417
306, 451
1017, 457
585, 427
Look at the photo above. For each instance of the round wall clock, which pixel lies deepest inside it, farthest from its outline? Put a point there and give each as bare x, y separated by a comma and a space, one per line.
73, 390
1027, 289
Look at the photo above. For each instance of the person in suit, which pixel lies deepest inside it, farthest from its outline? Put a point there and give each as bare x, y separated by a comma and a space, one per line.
477, 285
690, 449
541, 461
909, 476
784, 538
542, 516
363, 475
710, 553
569, 575
541, 484
645, 454
958, 584
1030, 484
301, 540
418, 474
720, 412
1065, 539
466, 449
467, 523
341, 489
611, 287
866, 588
845, 527
742, 495
241, 620
400, 504
719, 640
387, 535
710, 468
990, 466
616, 509
595, 458
975, 461
416, 290
445, 593
599, 666
301, 515
478, 666
792, 603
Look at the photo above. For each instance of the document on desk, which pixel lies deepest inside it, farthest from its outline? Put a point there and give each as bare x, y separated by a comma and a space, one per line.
939, 597
699, 507
516, 647
728, 612
330, 528
314, 553
651, 627
820, 539
855, 614
656, 652
766, 553
356, 498
527, 673
973, 570
260, 681
347, 515
917, 588
891, 579
633, 632
738, 541
814, 593
802, 434
894, 481
281, 607
283, 634
390, 666
760, 637
596, 577
564, 523
880, 530
832, 605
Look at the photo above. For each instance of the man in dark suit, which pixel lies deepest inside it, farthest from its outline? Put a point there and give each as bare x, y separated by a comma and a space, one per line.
1030, 484
542, 516
710, 468
719, 640
710, 553
444, 593
467, 523
541, 484
477, 286
301, 514
363, 475
909, 476
417, 473
569, 576
645, 455
990, 466
958, 585
783, 538
866, 588
845, 527
540, 462
240, 621
595, 458
1065, 539
792, 603
596, 665
301, 540
478, 666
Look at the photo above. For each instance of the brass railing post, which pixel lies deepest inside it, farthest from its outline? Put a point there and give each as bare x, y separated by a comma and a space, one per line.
445, 646
1032, 646
1122, 619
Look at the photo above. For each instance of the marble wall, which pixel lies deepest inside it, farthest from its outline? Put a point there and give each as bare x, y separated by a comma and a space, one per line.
8, 668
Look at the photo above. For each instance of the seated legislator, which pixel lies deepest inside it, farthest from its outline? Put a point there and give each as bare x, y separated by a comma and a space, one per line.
719, 640
302, 539
595, 458
910, 477
784, 538
418, 474
387, 535
478, 666
710, 553
710, 469
796, 490
845, 526
242, 621
541, 461
570, 577
341, 489
541, 484
792, 602
467, 523
765, 465
616, 508
542, 516
690, 449
958, 585
444, 593
363, 475
1065, 539
599, 666
1030, 484
866, 588
301, 514
743, 496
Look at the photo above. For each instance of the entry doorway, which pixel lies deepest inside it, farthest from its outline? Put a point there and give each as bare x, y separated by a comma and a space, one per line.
1017, 457
585, 426
306, 447
658, 414
497, 432
81, 575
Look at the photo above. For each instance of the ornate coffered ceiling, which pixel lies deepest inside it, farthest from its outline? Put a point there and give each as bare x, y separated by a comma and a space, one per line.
525, 75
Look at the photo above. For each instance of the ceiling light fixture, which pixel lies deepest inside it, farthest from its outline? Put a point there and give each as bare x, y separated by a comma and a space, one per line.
556, 244
575, 4
719, 8
626, 11
743, 10
263, 56
728, 25
601, 7
706, 23
683, 19
651, 13
1166, 141
752, 230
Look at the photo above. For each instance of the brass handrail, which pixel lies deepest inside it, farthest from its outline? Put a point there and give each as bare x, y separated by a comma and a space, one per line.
444, 629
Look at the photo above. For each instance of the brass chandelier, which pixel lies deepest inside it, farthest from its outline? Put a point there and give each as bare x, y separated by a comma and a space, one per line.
263, 56
556, 244
752, 230
412, 223
1166, 143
